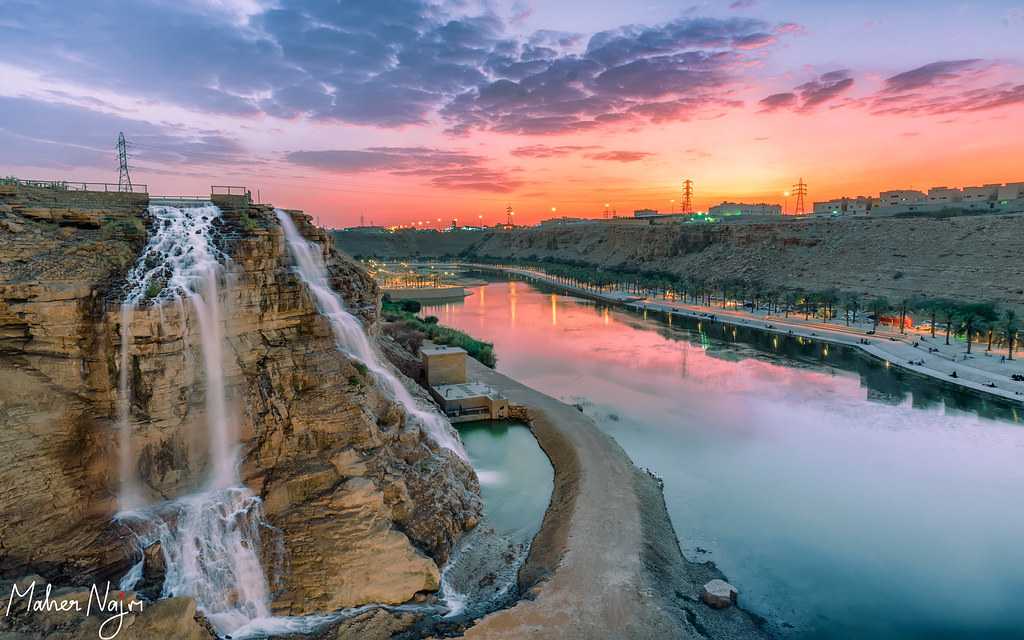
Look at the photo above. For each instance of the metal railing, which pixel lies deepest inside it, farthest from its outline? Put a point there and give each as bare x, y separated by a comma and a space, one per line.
64, 185
228, 190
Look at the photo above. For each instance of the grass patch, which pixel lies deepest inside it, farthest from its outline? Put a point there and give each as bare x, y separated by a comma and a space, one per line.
247, 223
440, 334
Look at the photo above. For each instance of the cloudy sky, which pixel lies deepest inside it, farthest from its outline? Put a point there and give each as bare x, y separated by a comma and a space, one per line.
410, 110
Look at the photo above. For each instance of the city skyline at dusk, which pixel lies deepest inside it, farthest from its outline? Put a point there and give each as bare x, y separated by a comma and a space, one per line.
409, 110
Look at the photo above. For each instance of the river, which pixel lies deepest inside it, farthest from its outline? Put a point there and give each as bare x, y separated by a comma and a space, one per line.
843, 498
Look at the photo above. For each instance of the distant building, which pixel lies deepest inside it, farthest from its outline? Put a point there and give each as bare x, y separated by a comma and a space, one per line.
645, 213
986, 193
1008, 198
563, 220
744, 209
1011, 191
901, 196
859, 206
944, 195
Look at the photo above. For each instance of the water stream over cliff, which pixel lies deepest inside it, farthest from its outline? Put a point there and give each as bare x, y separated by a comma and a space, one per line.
351, 337
210, 539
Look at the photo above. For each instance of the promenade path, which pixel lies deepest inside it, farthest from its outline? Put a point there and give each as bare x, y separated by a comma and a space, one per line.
606, 563
977, 371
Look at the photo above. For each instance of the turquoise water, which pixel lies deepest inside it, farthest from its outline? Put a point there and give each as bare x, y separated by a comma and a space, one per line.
515, 476
843, 498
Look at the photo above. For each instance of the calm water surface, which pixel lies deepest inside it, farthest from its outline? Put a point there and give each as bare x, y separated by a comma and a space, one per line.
515, 476
842, 499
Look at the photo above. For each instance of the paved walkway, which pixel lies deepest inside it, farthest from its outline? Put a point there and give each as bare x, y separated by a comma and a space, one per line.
607, 549
978, 371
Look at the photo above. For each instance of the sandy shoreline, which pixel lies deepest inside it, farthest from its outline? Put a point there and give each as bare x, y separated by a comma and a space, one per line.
606, 562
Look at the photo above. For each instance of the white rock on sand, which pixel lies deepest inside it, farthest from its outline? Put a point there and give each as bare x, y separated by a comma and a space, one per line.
719, 594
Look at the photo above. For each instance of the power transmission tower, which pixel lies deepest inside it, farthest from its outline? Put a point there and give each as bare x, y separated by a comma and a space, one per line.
687, 206
124, 179
800, 191
508, 215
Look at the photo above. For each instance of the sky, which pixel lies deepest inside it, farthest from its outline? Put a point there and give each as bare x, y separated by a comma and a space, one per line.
406, 111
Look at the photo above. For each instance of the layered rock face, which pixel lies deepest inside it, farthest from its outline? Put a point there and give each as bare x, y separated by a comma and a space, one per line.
970, 258
364, 506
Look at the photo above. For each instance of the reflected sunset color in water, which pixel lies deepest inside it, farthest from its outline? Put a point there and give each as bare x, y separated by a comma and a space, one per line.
842, 498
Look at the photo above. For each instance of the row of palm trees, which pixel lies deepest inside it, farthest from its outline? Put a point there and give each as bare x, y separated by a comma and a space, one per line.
972, 320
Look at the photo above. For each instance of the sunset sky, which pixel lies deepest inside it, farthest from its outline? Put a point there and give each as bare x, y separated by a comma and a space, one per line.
408, 110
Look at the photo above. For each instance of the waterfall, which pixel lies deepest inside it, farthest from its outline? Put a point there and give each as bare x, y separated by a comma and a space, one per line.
352, 339
129, 495
210, 539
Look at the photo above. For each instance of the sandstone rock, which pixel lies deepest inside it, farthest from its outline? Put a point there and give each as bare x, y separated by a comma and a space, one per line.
378, 624
719, 594
362, 505
154, 571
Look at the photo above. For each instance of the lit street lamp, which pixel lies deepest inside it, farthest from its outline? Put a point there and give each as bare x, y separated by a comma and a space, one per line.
785, 209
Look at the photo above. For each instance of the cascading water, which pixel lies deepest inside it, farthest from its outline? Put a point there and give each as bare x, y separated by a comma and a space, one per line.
210, 539
351, 338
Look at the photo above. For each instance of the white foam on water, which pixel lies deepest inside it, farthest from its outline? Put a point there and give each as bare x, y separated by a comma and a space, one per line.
490, 478
210, 539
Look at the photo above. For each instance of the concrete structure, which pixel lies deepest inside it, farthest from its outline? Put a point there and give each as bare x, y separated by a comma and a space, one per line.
470, 401
858, 206
744, 209
1010, 191
461, 400
444, 365
645, 213
900, 197
986, 193
563, 220
944, 195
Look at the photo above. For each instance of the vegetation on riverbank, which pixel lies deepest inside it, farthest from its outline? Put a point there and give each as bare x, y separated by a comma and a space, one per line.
404, 312
974, 321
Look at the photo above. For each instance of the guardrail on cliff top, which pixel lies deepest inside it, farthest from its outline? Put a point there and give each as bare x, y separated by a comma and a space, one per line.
226, 190
64, 185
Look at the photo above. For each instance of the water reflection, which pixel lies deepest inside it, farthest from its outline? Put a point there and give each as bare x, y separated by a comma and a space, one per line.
844, 497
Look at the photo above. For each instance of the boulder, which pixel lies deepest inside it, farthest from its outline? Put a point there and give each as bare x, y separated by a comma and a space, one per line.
719, 594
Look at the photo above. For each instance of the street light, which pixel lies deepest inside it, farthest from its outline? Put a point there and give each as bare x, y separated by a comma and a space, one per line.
786, 208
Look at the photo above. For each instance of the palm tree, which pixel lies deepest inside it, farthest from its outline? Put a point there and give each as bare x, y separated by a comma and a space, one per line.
949, 310
927, 306
1010, 328
878, 306
851, 304
792, 297
906, 303
973, 316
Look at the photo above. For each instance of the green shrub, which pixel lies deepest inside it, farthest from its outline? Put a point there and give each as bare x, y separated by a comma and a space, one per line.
154, 288
438, 333
410, 306
247, 223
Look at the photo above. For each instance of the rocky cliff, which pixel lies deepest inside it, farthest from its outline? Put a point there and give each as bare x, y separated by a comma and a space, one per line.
364, 507
972, 258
